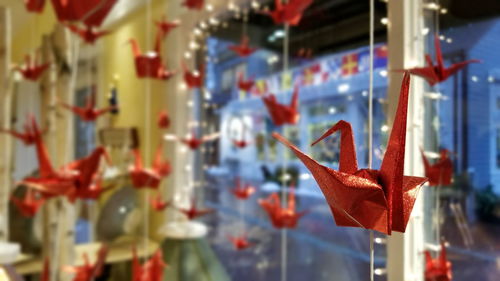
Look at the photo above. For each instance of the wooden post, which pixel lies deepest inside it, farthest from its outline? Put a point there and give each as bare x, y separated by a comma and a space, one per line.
5, 118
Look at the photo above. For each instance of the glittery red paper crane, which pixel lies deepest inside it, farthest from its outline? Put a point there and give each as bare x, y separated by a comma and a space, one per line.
166, 26
289, 13
436, 73
193, 141
30, 204
34, 6
85, 174
32, 70
89, 113
28, 135
282, 217
240, 243
142, 177
158, 204
193, 79
194, 4
152, 270
243, 49
374, 199
150, 64
91, 12
50, 182
245, 85
193, 212
89, 271
441, 172
438, 269
88, 34
242, 191
283, 114
163, 121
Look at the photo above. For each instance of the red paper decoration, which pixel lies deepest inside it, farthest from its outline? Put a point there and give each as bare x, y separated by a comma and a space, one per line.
382, 199
441, 172
193, 79
89, 271
87, 34
150, 64
436, 73
240, 243
193, 212
142, 177
290, 12
243, 49
282, 217
32, 69
438, 269
243, 191
283, 114
34, 6
245, 85
28, 136
89, 113
152, 270
91, 12
30, 204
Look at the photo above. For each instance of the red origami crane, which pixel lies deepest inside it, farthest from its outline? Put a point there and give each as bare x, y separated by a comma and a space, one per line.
152, 270
50, 182
28, 137
166, 26
193, 141
89, 113
438, 269
88, 271
87, 169
374, 199
245, 85
282, 217
283, 114
30, 204
193, 212
150, 64
243, 191
193, 79
91, 12
242, 50
163, 120
32, 70
87, 34
194, 4
441, 172
436, 73
241, 143
35, 6
93, 192
142, 177
240, 243
290, 12
158, 203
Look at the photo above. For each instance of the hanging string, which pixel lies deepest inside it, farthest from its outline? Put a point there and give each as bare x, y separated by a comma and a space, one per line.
370, 124
284, 236
437, 107
147, 129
